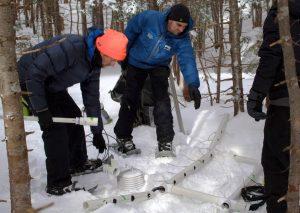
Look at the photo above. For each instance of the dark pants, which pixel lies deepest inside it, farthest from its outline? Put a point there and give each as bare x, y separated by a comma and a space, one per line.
276, 160
131, 99
64, 144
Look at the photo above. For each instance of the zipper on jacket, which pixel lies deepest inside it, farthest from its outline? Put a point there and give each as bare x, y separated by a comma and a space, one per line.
155, 47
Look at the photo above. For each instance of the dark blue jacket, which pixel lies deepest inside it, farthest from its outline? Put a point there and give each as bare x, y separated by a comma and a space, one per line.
151, 45
60, 63
270, 72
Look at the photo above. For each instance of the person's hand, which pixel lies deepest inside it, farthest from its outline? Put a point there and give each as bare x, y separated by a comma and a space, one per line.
124, 64
195, 96
45, 119
254, 105
99, 142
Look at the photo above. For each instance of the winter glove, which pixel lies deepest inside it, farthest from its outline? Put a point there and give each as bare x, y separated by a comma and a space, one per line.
195, 96
45, 119
254, 105
99, 142
124, 64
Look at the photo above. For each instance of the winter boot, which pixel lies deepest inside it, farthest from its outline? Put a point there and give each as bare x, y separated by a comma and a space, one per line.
127, 147
165, 149
61, 190
90, 166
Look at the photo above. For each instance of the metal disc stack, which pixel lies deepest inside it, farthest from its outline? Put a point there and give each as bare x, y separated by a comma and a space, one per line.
131, 179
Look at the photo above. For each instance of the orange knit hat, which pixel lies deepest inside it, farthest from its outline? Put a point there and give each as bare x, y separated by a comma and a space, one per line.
112, 44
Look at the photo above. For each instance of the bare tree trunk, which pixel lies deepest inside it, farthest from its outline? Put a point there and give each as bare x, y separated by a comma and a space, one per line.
207, 82
117, 21
32, 15
71, 15
236, 56
26, 12
268, 4
57, 19
106, 17
43, 20
152, 5
214, 5
83, 17
256, 11
17, 154
98, 14
48, 8
294, 99
78, 18
217, 10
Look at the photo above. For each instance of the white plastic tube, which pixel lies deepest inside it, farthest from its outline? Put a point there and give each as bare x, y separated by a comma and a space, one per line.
207, 198
92, 205
90, 121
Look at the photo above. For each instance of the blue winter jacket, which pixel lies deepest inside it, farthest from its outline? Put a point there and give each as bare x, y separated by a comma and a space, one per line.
151, 45
60, 63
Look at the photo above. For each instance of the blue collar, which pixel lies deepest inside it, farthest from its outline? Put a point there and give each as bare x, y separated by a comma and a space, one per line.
92, 34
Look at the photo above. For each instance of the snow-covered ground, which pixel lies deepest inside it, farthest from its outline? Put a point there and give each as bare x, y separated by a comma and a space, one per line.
220, 177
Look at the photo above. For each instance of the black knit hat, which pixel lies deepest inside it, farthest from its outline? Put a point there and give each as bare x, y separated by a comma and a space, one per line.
180, 13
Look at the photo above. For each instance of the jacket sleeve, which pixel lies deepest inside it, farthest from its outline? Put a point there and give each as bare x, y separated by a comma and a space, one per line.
187, 63
49, 62
38, 71
134, 27
271, 58
91, 99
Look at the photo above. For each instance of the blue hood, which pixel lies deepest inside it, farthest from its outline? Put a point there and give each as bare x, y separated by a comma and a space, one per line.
92, 34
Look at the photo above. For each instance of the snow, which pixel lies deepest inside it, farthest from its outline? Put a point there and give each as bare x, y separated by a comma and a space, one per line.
220, 177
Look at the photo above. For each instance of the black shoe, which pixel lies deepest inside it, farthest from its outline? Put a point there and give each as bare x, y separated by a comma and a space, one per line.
165, 146
165, 149
125, 145
61, 190
90, 166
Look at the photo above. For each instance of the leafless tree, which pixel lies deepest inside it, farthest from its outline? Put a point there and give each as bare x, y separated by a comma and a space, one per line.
294, 99
97, 18
10, 92
236, 64
83, 17
256, 13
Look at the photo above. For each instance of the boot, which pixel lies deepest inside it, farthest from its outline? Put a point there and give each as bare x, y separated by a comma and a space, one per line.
165, 149
90, 166
61, 190
127, 146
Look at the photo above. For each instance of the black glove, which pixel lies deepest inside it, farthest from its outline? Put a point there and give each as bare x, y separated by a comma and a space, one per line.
195, 96
254, 105
124, 64
99, 142
45, 119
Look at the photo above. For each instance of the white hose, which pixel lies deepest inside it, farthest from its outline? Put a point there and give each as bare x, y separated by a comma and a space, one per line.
90, 121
